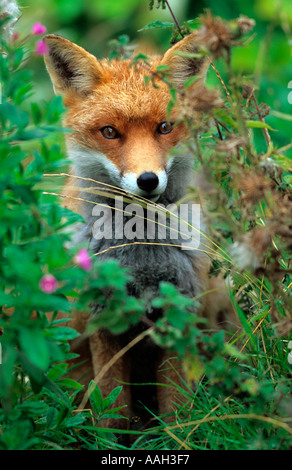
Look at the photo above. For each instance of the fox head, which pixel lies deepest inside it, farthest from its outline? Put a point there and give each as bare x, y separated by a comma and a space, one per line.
120, 123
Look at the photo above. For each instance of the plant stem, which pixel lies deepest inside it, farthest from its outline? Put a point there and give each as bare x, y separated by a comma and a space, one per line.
265, 131
174, 19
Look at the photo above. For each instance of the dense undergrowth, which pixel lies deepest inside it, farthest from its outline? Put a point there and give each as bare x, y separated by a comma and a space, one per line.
239, 385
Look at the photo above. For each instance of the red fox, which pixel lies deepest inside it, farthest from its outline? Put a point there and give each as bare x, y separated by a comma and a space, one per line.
121, 138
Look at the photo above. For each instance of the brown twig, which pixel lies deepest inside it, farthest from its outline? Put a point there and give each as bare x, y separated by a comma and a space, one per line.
265, 131
221, 80
218, 129
107, 366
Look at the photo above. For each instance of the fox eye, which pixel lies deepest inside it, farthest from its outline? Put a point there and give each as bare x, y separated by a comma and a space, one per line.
110, 132
165, 128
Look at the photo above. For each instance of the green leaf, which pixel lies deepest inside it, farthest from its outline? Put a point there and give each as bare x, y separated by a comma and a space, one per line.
36, 113
30, 134
258, 125
19, 436
243, 320
167, 289
34, 345
62, 333
54, 109
18, 56
190, 81
57, 371
51, 417
75, 421
9, 356
34, 408
70, 383
162, 68
108, 401
283, 161
176, 317
111, 416
57, 391
12, 113
157, 25
36, 375
287, 177
123, 39
36, 166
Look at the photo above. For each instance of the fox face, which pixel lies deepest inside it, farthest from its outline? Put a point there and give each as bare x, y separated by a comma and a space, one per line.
123, 125
119, 121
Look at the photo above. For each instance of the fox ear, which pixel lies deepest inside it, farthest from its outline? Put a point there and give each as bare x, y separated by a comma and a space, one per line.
70, 66
182, 61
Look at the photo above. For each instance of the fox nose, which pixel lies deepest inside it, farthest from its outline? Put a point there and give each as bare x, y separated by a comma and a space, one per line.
148, 181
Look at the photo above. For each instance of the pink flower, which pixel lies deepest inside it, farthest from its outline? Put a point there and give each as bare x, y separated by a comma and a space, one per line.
15, 36
41, 47
48, 284
38, 28
83, 259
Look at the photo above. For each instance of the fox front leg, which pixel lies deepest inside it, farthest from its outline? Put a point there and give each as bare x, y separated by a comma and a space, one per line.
103, 348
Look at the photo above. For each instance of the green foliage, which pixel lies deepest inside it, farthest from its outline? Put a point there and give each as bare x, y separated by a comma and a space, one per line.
38, 400
115, 309
178, 328
158, 24
238, 385
100, 406
120, 47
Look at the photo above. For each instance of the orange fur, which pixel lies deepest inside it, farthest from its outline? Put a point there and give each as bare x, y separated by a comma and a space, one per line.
123, 100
